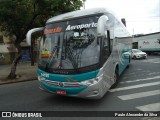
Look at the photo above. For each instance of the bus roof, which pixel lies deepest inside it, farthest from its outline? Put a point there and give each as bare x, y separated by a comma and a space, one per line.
79, 13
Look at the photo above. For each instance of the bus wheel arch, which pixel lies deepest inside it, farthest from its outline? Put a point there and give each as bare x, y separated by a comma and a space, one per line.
115, 77
117, 72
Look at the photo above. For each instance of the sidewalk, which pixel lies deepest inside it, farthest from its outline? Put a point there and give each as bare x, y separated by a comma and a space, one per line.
24, 72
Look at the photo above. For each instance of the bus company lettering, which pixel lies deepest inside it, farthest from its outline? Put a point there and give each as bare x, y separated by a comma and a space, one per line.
145, 42
53, 30
69, 27
45, 75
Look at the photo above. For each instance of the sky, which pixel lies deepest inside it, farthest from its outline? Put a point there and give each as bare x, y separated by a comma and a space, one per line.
142, 16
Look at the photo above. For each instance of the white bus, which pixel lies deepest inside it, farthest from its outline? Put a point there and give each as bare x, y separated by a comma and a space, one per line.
82, 53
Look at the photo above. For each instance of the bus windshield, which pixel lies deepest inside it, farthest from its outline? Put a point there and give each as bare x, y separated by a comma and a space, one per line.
70, 45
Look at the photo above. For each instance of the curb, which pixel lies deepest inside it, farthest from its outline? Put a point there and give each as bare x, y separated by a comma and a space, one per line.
15, 81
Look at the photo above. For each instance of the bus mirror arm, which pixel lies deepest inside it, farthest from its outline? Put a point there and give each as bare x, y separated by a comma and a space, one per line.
29, 34
109, 41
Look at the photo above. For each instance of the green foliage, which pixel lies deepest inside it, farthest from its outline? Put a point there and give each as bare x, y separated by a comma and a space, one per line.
18, 16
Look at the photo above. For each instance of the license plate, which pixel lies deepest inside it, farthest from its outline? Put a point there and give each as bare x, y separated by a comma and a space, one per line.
61, 92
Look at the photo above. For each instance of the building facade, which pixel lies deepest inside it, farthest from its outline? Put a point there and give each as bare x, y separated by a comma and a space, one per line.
147, 42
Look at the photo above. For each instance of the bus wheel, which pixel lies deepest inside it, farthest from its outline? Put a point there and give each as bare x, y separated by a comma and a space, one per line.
116, 78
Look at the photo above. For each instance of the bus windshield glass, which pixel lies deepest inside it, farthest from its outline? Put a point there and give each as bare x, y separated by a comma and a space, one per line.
70, 45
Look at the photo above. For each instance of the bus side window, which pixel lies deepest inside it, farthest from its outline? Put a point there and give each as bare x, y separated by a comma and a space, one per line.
105, 41
105, 50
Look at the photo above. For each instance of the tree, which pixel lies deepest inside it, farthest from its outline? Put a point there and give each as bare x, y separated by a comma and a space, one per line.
18, 16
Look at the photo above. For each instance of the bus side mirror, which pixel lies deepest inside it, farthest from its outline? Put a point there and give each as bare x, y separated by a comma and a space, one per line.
101, 25
29, 34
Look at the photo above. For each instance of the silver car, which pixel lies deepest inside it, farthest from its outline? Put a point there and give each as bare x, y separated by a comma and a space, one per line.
138, 54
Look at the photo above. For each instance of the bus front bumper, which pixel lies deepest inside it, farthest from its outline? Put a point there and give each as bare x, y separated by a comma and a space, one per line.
91, 89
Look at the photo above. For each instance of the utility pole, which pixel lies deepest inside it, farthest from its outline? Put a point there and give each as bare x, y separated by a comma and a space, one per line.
133, 27
84, 3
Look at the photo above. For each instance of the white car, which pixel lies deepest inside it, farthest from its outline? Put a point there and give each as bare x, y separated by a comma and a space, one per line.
138, 54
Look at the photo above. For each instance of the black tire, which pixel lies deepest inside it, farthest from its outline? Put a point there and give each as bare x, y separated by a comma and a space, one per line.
129, 59
134, 57
116, 78
129, 62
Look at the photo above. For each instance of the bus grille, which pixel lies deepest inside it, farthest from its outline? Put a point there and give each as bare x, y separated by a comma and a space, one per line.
62, 84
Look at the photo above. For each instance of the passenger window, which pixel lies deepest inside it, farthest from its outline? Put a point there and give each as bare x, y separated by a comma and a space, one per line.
105, 48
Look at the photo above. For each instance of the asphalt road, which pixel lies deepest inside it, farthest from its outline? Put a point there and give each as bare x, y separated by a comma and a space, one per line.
138, 90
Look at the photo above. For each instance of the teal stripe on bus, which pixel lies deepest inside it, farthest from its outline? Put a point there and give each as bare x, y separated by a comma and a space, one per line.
65, 78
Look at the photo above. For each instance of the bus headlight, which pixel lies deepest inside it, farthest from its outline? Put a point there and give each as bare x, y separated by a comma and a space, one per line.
92, 81
41, 78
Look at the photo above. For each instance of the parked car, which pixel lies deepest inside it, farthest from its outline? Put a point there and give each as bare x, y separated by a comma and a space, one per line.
138, 54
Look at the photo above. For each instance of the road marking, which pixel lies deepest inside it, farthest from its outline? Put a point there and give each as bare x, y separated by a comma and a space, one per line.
156, 62
135, 72
154, 73
134, 86
139, 69
156, 77
139, 95
150, 107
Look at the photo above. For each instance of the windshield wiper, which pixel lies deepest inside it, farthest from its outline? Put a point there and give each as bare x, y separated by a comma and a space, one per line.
54, 51
72, 59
